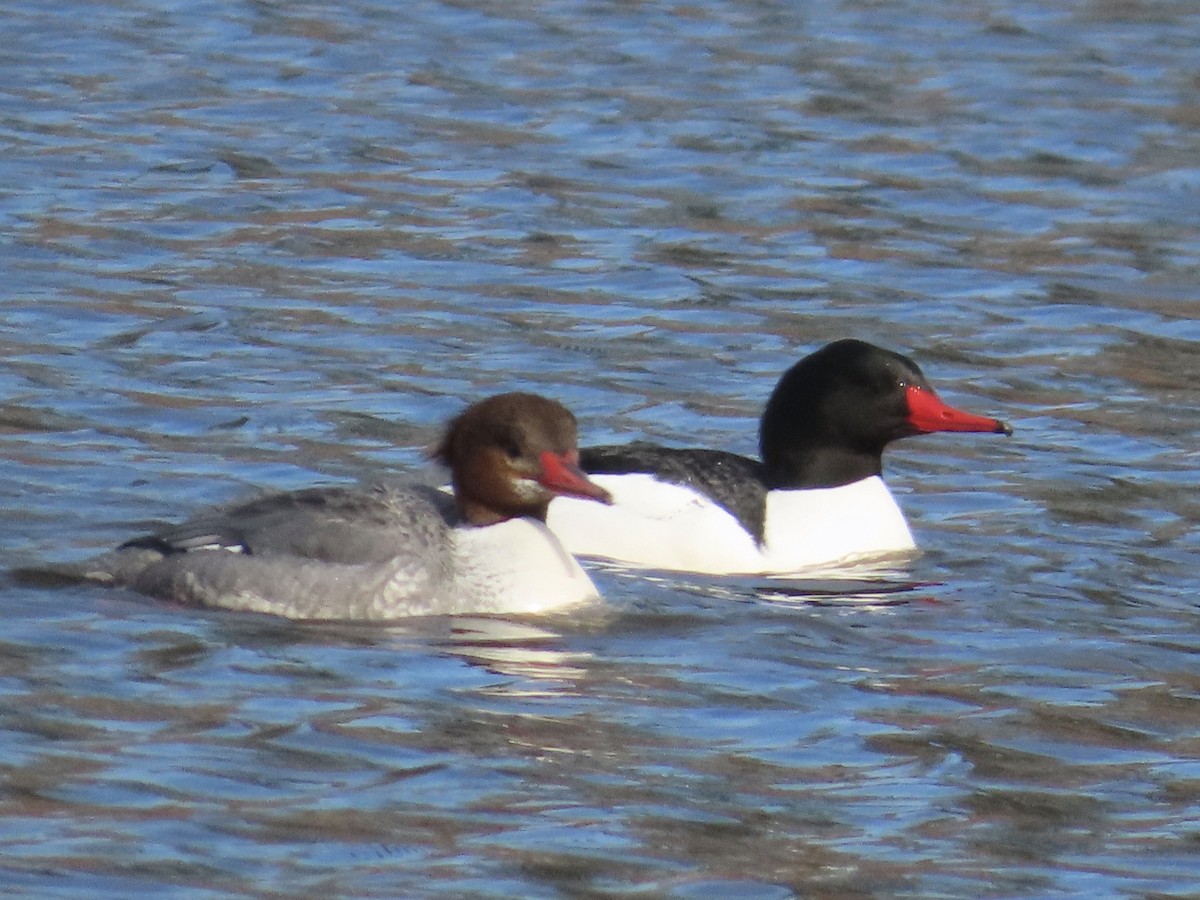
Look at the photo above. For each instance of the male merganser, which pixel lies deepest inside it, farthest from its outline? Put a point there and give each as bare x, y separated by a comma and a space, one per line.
388, 551
816, 498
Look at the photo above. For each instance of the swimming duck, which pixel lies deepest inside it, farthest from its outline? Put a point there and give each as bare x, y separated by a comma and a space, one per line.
817, 496
388, 551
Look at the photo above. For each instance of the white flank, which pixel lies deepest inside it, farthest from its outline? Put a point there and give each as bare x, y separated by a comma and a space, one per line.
656, 525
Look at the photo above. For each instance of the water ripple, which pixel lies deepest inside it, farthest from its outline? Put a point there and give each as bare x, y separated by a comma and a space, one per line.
266, 245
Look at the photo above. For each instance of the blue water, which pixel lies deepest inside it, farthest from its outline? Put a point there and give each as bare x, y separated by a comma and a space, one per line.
266, 245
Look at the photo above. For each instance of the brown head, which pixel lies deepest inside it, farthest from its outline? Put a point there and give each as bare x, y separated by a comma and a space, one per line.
510, 455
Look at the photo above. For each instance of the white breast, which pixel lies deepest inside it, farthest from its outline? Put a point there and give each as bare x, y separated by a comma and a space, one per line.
821, 526
517, 566
664, 526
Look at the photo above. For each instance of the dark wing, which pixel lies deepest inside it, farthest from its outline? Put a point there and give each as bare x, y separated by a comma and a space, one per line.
333, 524
731, 481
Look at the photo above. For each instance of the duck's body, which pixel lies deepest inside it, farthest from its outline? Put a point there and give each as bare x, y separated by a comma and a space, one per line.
388, 551
816, 498
659, 525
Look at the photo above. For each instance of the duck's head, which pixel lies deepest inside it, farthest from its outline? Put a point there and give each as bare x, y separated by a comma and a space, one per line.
510, 455
833, 413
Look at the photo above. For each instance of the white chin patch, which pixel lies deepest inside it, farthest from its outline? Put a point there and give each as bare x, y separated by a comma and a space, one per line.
528, 489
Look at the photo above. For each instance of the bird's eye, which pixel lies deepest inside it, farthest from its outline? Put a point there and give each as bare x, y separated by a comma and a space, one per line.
511, 450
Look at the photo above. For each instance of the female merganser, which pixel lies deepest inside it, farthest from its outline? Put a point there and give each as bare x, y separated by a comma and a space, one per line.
388, 551
817, 497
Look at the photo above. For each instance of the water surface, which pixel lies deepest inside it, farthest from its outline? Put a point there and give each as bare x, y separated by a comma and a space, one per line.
265, 245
